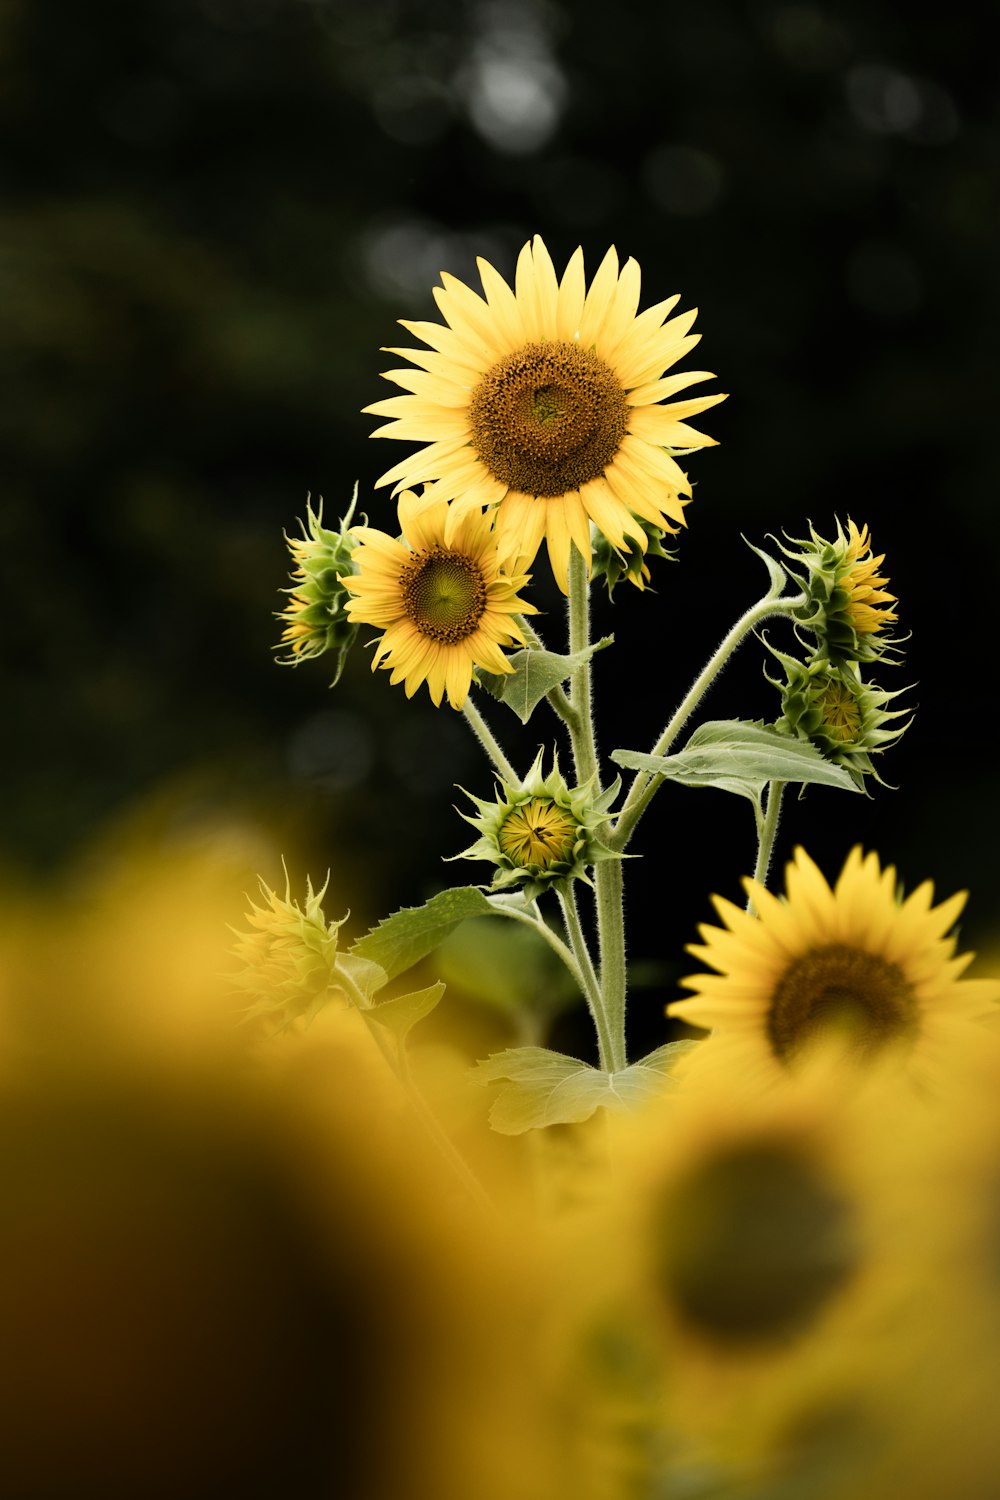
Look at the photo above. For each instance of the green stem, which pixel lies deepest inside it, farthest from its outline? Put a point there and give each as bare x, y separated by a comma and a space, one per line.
592, 991
399, 1063
610, 883
766, 833
647, 783
584, 749
585, 983
485, 736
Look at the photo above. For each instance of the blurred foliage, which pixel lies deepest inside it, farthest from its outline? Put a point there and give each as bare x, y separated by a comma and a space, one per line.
213, 212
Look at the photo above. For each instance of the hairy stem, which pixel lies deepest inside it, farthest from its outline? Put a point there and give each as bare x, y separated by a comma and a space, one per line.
592, 990
765, 836
486, 738
646, 783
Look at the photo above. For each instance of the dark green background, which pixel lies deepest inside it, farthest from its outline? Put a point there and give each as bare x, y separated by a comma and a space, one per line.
212, 213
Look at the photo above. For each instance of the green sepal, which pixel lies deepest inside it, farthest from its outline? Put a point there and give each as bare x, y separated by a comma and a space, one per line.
614, 564
402, 1012
542, 1087
777, 574
404, 938
742, 757
534, 674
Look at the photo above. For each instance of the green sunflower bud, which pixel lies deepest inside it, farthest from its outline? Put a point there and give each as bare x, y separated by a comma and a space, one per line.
540, 833
847, 719
315, 619
614, 563
847, 604
289, 955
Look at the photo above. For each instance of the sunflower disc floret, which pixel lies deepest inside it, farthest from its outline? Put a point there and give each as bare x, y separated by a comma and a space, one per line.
847, 604
540, 833
315, 619
550, 403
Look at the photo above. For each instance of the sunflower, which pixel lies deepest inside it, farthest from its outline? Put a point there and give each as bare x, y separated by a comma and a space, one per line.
439, 596
545, 402
847, 603
854, 963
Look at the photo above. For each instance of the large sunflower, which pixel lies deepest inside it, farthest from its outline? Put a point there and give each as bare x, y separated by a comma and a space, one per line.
855, 963
438, 595
545, 401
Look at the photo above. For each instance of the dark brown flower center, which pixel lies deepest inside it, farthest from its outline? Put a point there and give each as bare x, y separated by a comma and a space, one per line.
840, 991
755, 1242
443, 594
548, 418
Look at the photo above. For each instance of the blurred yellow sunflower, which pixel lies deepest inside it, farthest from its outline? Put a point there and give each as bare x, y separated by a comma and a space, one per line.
545, 401
439, 596
855, 964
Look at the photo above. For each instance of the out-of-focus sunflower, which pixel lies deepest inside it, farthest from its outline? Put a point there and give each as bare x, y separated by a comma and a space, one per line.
439, 595
855, 963
546, 401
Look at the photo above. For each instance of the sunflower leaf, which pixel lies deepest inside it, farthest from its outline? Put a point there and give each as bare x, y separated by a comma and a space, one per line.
404, 938
740, 757
403, 1012
534, 674
541, 1087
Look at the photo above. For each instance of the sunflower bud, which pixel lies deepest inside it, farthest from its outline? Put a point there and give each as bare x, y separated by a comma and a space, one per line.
315, 619
846, 718
846, 606
540, 833
289, 955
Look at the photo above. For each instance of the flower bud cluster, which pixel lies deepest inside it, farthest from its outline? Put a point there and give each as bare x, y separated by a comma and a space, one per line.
824, 698
316, 619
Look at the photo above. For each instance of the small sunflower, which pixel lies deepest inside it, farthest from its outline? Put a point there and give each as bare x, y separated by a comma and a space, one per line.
545, 402
439, 596
855, 964
847, 603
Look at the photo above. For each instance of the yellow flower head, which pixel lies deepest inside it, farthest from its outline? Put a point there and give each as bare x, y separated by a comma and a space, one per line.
853, 964
847, 603
439, 595
546, 402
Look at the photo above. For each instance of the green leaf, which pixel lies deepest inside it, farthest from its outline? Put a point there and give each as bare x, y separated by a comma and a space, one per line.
406, 937
404, 1011
505, 965
542, 1087
368, 976
535, 674
740, 757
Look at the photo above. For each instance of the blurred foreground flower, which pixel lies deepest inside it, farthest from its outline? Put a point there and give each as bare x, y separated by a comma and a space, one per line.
855, 963
288, 957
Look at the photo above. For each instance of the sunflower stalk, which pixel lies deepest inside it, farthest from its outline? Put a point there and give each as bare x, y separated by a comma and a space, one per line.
646, 784
607, 875
587, 976
488, 740
397, 1060
767, 827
